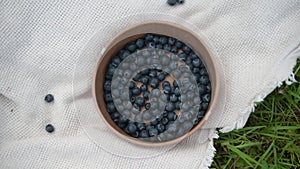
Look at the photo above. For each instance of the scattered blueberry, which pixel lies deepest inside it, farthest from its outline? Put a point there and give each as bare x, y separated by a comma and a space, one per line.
49, 128
49, 98
171, 2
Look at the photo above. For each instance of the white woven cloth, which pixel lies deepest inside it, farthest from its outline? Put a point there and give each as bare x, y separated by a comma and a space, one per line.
52, 47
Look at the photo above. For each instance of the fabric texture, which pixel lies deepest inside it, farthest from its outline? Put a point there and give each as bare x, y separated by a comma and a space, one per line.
52, 47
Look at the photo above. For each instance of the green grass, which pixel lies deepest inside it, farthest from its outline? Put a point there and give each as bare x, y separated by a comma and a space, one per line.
271, 137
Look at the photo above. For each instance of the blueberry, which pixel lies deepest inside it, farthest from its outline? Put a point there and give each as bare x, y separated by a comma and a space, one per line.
143, 134
161, 76
171, 2
173, 98
154, 122
167, 47
145, 80
204, 106
136, 91
193, 56
186, 49
174, 50
206, 98
203, 71
146, 95
149, 127
147, 106
159, 46
149, 37
171, 41
116, 61
145, 72
137, 77
141, 126
110, 107
180, 1
154, 82
195, 122
170, 107
124, 55
177, 91
127, 113
182, 57
135, 110
166, 83
140, 43
172, 116
115, 115
155, 93
167, 89
156, 39
164, 121
108, 97
131, 85
152, 73
200, 115
153, 132
135, 134
160, 128
49, 98
163, 40
201, 89
151, 45
131, 128
143, 87
178, 105
123, 119
132, 99
178, 44
132, 47
204, 80
196, 70
196, 62
175, 84
140, 101
49, 128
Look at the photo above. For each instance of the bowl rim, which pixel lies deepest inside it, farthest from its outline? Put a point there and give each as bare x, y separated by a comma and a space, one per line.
212, 102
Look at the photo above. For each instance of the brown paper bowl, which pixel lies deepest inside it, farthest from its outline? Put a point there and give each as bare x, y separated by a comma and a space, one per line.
133, 33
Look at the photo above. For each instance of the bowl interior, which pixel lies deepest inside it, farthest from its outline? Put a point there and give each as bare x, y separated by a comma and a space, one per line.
133, 33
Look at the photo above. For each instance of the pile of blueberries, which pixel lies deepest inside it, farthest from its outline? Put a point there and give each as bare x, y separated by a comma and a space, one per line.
154, 80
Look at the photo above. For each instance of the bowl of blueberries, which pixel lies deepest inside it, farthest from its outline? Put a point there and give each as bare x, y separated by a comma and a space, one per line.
155, 84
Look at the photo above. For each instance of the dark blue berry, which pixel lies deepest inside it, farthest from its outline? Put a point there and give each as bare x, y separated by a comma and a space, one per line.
153, 132
174, 50
182, 56
132, 99
186, 49
152, 73
203, 71
137, 77
208, 88
171, 41
140, 101
180, 1
116, 61
178, 105
107, 85
151, 45
204, 80
166, 83
196, 62
200, 114
146, 95
145, 80
159, 46
201, 89
178, 44
154, 122
131, 85
132, 47
124, 55
143, 87
196, 70
135, 134
194, 56
136, 91
177, 91
172, 116
140, 43
171, 2
167, 89
49, 128
161, 76
141, 126
154, 82
163, 40
115, 115
173, 98
206, 97
160, 128
167, 47
165, 121
49, 98
131, 128
145, 72
175, 84
170, 107
204, 105
147, 106
143, 134
155, 39
149, 37
108, 97
110, 107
